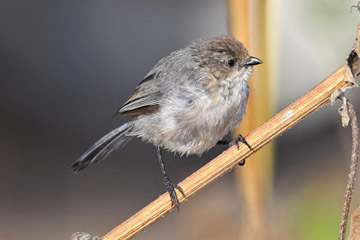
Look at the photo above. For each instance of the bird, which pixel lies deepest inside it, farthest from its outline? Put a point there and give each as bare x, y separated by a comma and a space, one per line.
185, 104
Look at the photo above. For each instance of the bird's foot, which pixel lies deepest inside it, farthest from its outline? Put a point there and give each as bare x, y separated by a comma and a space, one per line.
241, 139
236, 141
170, 188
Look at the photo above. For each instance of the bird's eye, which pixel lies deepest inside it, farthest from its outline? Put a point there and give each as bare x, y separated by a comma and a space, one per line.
230, 62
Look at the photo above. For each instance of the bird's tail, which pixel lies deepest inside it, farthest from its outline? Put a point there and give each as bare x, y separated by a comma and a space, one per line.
103, 147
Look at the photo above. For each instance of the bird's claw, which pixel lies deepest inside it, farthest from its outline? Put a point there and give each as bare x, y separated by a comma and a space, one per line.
241, 139
170, 188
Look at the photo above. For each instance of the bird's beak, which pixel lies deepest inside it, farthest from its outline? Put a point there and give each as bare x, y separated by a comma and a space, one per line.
252, 61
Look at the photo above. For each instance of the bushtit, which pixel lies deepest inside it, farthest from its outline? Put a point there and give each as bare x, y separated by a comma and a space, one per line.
186, 104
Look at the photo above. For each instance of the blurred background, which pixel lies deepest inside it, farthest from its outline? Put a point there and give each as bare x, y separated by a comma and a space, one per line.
67, 66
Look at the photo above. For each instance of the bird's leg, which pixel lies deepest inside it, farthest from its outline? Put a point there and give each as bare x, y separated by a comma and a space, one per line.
169, 185
236, 141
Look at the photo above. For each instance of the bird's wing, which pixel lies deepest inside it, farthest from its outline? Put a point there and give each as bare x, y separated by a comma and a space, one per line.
145, 99
158, 82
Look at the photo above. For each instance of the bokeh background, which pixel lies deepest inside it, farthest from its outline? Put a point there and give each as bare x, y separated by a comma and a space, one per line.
67, 66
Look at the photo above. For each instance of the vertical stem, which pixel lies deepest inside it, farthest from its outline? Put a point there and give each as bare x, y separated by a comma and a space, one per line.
251, 22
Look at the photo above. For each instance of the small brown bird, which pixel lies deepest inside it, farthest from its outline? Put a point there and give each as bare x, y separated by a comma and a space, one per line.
186, 104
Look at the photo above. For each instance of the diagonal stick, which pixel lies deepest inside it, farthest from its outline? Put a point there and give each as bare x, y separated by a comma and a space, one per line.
223, 163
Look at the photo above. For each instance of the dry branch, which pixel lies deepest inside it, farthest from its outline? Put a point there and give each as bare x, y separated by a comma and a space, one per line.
352, 175
287, 118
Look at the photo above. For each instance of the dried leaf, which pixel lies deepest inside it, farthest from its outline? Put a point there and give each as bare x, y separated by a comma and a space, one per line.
83, 236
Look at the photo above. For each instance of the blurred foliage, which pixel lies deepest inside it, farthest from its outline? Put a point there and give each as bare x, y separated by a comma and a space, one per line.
314, 218
314, 210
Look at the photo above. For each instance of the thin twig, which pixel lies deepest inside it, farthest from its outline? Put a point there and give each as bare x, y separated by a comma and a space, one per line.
353, 168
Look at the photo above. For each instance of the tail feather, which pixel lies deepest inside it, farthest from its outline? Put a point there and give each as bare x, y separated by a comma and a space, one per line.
102, 148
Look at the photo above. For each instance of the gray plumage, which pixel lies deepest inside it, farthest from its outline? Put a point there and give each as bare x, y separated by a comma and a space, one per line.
103, 147
188, 102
